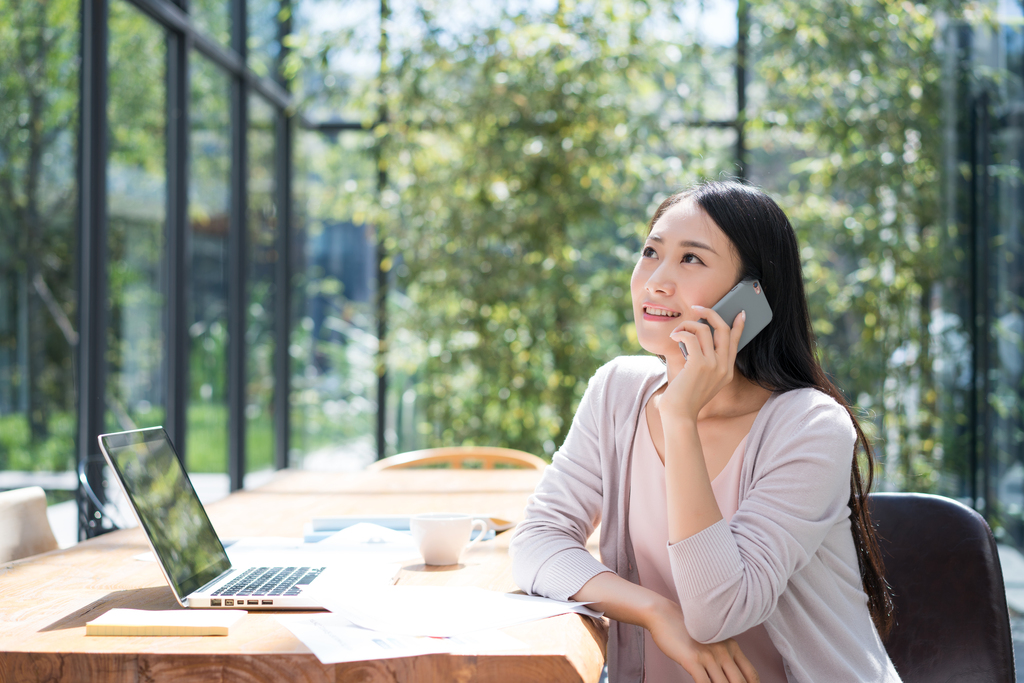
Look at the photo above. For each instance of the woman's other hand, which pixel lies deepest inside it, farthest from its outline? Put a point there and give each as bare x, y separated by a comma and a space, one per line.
722, 662
710, 364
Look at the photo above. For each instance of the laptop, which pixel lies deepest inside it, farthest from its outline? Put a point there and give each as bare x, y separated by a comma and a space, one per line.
186, 547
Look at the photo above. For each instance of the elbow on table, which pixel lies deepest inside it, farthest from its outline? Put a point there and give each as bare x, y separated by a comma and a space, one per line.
524, 572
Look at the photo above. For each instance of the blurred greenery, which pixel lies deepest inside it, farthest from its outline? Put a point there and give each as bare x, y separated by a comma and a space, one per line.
261, 259
524, 153
38, 116
55, 453
846, 127
524, 149
522, 160
333, 344
136, 192
510, 159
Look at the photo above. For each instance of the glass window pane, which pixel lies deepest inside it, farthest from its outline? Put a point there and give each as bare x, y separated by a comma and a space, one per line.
333, 338
209, 209
262, 260
212, 17
341, 59
264, 45
38, 329
988, 212
137, 198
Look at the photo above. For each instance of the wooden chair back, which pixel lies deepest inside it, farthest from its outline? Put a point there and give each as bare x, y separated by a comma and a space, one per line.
461, 457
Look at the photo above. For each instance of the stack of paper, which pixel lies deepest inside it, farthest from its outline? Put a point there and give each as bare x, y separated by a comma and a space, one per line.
443, 611
403, 621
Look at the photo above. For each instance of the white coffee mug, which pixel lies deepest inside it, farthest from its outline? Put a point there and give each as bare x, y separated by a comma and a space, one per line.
442, 536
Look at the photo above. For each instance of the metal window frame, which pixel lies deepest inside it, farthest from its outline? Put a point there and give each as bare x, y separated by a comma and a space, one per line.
238, 261
283, 265
92, 257
182, 36
177, 264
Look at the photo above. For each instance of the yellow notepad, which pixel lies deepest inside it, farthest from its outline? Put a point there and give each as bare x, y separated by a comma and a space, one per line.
178, 622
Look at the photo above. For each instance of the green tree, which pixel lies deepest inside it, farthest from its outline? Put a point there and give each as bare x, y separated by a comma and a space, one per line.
847, 127
522, 163
38, 117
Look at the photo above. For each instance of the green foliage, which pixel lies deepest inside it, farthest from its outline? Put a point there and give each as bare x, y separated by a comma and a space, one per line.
847, 127
38, 117
522, 164
54, 453
136, 195
333, 357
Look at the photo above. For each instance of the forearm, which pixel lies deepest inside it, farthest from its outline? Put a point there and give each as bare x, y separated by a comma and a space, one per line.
691, 502
633, 604
623, 600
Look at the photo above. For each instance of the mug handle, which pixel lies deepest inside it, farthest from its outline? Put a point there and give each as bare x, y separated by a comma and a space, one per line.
480, 536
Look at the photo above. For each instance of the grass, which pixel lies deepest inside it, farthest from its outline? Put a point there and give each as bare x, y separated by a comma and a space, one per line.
206, 438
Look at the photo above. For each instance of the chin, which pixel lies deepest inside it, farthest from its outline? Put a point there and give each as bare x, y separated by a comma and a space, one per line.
659, 348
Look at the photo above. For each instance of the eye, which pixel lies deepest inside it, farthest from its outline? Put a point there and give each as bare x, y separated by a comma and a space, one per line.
648, 252
692, 258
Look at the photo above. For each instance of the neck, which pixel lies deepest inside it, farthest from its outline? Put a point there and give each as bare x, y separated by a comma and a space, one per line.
739, 397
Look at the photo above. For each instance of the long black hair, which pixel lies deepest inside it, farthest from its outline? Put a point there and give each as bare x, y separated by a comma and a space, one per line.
781, 358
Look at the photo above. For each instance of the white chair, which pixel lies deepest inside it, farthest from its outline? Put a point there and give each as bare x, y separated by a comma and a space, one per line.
24, 528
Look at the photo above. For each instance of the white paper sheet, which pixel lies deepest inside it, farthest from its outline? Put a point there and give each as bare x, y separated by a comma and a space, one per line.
441, 611
334, 639
373, 536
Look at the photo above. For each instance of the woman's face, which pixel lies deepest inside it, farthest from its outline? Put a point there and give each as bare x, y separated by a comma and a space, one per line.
687, 260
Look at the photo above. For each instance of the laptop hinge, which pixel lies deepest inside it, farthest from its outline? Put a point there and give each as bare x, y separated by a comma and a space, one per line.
211, 583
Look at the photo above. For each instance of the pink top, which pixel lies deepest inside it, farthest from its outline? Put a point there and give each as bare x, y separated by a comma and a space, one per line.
648, 529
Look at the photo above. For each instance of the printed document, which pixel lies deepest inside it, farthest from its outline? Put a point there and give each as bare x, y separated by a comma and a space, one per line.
441, 611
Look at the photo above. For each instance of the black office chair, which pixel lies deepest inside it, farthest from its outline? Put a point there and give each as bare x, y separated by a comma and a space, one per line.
949, 601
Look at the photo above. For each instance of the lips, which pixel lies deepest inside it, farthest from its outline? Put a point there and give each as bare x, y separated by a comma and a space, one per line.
659, 313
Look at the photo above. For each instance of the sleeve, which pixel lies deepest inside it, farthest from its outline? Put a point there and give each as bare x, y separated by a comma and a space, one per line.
729, 576
548, 550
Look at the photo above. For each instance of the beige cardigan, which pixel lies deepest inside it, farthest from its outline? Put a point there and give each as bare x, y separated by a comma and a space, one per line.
786, 559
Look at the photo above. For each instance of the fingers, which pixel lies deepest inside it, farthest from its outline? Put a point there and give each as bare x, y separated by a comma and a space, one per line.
737, 332
724, 671
717, 675
733, 673
729, 665
714, 320
745, 671
696, 336
745, 667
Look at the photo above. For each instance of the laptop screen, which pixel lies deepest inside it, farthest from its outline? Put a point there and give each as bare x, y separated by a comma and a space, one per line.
168, 508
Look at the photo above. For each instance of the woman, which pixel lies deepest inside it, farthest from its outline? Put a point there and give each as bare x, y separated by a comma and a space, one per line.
734, 541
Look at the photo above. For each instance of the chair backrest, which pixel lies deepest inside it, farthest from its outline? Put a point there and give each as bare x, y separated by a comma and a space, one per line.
24, 528
949, 601
486, 457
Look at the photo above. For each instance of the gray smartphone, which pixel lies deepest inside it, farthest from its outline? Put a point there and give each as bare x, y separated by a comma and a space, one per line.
746, 296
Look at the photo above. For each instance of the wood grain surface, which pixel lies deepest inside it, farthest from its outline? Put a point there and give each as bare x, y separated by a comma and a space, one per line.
46, 600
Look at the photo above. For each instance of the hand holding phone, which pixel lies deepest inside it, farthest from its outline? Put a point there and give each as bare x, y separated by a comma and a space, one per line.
746, 296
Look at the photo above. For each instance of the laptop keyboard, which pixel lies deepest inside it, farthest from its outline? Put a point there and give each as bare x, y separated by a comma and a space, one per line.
269, 581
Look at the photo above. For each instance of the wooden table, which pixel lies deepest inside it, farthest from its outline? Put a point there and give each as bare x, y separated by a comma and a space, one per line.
46, 600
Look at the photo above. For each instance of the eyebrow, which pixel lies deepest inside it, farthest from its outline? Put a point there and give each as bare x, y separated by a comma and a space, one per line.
684, 243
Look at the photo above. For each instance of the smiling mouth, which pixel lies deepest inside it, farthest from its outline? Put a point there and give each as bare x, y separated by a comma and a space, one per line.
661, 312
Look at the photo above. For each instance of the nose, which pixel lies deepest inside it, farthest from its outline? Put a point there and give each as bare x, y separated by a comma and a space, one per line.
659, 282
